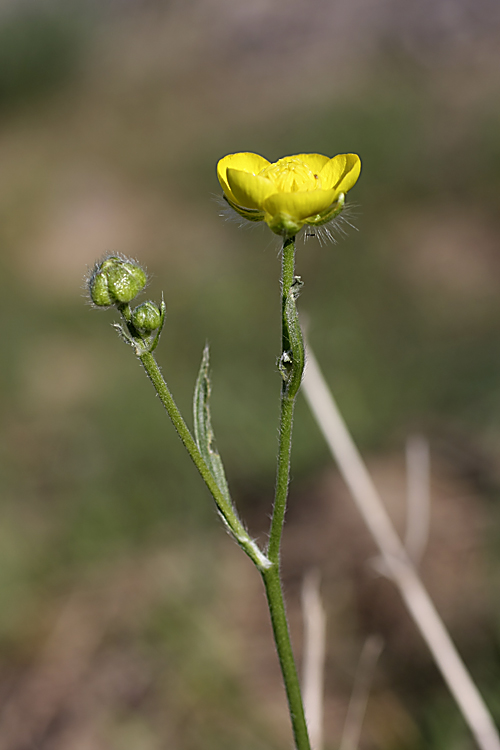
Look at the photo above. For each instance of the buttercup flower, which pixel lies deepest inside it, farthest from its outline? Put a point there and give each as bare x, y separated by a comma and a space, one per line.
306, 189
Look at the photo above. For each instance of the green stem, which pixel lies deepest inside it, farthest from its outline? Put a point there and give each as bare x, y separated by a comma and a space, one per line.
286, 419
271, 577
276, 603
226, 509
282, 479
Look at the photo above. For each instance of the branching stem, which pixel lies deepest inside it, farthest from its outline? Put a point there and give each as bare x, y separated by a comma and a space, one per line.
291, 366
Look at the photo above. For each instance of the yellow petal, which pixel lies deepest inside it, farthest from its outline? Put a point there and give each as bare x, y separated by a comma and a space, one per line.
332, 172
315, 162
351, 173
341, 172
248, 189
302, 204
245, 161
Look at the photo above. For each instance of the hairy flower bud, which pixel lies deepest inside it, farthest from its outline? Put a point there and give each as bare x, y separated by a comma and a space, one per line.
146, 317
116, 280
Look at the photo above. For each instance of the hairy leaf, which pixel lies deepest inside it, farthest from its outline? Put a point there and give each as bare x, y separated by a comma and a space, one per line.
203, 431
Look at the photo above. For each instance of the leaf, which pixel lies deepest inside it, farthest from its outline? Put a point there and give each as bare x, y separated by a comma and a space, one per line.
295, 366
203, 431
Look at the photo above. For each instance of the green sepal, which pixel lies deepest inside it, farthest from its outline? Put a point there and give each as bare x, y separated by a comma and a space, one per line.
203, 431
163, 315
99, 292
251, 214
328, 215
125, 281
146, 317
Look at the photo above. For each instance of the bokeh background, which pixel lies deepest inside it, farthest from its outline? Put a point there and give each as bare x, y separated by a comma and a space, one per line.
128, 619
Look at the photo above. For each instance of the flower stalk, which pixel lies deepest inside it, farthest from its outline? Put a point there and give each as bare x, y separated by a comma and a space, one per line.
276, 604
291, 366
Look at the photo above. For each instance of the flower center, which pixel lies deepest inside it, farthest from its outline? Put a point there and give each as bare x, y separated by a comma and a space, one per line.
291, 174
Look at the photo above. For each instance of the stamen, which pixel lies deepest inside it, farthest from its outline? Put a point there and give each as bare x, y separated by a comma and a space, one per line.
291, 175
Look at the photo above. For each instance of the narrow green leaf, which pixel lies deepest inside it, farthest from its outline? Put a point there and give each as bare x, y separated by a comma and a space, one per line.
295, 367
203, 431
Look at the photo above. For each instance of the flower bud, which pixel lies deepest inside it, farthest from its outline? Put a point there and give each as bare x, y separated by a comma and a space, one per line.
116, 280
146, 317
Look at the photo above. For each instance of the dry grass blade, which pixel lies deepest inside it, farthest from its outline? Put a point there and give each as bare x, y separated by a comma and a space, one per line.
314, 657
359, 698
396, 560
418, 497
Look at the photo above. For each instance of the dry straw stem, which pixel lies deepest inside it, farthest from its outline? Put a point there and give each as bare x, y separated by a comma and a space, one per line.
314, 657
418, 500
396, 560
361, 690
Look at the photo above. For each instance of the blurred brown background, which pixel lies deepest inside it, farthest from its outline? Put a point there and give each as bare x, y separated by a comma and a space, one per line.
128, 620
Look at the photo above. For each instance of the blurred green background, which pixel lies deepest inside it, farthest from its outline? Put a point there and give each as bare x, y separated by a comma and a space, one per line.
127, 617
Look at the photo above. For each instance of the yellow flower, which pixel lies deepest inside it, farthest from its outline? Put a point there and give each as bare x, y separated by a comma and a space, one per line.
307, 189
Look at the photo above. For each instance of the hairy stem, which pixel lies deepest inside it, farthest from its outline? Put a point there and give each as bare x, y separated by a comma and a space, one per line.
286, 419
271, 577
274, 593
